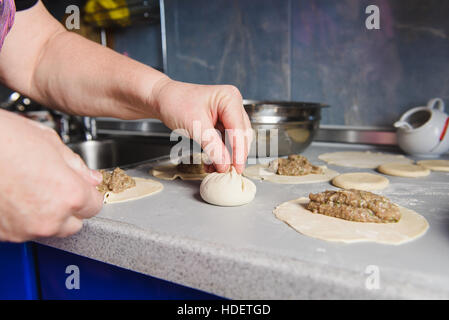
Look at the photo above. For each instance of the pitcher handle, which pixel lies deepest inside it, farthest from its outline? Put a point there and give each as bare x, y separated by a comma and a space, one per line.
436, 102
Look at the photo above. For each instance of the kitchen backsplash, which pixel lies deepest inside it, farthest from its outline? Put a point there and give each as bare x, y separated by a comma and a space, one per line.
306, 50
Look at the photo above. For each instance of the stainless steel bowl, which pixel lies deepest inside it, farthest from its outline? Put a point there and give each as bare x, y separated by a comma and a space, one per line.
295, 125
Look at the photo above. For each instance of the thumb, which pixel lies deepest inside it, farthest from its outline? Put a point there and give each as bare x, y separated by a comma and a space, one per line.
75, 162
213, 146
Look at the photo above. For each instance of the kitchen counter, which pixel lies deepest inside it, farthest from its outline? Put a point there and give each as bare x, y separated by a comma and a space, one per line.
245, 252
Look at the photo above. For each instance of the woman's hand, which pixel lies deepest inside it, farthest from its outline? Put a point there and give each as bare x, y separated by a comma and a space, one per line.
45, 189
206, 107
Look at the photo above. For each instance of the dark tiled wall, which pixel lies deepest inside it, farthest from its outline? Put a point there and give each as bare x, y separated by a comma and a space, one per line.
316, 50
306, 50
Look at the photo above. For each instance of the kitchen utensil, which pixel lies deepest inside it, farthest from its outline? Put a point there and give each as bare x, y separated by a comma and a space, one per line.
422, 131
282, 127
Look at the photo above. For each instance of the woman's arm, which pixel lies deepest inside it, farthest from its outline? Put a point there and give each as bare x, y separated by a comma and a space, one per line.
62, 70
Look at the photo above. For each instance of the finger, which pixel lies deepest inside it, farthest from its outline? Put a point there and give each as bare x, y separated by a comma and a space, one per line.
239, 133
75, 162
92, 203
215, 149
86, 200
69, 227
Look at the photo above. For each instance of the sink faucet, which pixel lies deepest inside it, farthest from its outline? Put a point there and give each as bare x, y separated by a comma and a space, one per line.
90, 128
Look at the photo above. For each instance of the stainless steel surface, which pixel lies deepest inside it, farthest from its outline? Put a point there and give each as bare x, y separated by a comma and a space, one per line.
289, 125
273, 112
325, 133
146, 127
106, 154
358, 135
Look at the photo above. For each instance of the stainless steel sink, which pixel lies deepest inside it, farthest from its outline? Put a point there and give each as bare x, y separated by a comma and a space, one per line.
121, 152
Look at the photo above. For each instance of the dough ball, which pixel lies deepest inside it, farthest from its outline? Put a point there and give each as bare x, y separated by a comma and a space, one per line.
404, 170
361, 181
435, 165
227, 189
360, 159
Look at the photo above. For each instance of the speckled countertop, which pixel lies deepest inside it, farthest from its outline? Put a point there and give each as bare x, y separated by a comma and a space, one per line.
245, 252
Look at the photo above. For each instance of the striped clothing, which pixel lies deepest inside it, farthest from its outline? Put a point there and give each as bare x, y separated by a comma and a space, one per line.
7, 11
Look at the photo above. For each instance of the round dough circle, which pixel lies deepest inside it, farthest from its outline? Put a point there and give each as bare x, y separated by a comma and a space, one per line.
170, 172
143, 188
227, 189
359, 159
361, 181
435, 165
261, 172
294, 213
404, 170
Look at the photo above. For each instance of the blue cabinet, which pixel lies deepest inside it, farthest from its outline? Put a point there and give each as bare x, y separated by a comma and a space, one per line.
34, 271
17, 271
65, 275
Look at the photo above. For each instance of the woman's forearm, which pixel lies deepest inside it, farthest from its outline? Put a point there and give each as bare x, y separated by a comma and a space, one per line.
65, 71
82, 77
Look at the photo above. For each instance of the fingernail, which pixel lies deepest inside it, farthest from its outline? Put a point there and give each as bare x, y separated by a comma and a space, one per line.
97, 176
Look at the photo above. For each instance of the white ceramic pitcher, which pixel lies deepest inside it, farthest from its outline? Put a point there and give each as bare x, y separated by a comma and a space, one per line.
422, 131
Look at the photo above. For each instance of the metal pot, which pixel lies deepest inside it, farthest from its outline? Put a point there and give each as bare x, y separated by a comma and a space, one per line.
282, 127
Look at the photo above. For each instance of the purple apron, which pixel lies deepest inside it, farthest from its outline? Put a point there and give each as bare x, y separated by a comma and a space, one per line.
7, 11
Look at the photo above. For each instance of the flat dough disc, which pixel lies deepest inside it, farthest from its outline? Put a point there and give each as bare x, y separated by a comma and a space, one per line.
435, 165
359, 159
143, 188
361, 181
404, 170
170, 172
411, 226
261, 172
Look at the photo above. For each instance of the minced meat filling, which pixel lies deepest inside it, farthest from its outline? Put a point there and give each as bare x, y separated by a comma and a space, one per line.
115, 181
191, 167
296, 165
354, 205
